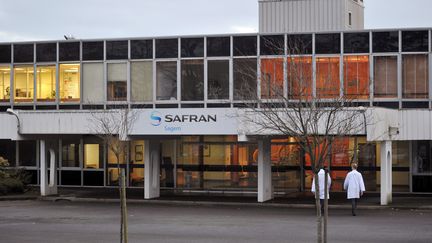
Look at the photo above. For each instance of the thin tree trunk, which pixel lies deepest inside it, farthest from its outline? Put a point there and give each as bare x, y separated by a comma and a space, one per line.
318, 209
121, 204
325, 205
124, 208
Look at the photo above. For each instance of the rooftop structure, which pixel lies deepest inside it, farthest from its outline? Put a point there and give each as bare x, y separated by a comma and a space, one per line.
288, 16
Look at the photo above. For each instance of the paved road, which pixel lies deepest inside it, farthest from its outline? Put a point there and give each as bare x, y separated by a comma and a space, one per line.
42, 221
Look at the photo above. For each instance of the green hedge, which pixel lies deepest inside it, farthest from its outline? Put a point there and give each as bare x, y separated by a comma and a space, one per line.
12, 180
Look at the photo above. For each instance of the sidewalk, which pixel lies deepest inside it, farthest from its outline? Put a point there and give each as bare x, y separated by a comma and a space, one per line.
293, 200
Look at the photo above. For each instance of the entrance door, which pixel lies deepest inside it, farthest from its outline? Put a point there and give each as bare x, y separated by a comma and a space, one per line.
422, 166
167, 170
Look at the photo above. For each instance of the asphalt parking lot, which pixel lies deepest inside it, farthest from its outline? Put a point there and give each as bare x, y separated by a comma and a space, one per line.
47, 221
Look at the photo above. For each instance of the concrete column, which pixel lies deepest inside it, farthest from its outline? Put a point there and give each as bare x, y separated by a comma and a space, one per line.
265, 189
48, 180
152, 169
386, 172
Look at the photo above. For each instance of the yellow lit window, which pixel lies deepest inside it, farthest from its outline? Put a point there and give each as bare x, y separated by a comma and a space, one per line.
92, 158
46, 83
23, 83
69, 82
4, 83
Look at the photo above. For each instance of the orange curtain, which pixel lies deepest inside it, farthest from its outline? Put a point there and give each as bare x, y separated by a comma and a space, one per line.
356, 77
327, 77
271, 78
299, 77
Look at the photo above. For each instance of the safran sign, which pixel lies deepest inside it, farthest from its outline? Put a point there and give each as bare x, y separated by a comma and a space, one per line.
187, 122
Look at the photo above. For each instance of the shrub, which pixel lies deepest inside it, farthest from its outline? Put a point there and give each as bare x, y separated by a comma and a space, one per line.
12, 180
12, 185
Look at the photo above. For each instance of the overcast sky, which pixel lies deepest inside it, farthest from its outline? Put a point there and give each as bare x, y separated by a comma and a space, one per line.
51, 19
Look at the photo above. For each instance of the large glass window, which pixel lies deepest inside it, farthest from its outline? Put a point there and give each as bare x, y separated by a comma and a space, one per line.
401, 166
327, 77
168, 155
216, 163
120, 147
299, 71
46, 52
23, 83
93, 78
415, 76
192, 47
415, 41
385, 76
167, 48
142, 81
4, 83
299, 44
385, 41
192, 80
27, 153
245, 79
117, 82
166, 81
23, 53
46, 83
69, 51
286, 160
272, 78
356, 77
93, 178
70, 153
114, 160
8, 152
5, 53
218, 46
327, 43
137, 151
218, 79
93, 50
136, 174
69, 82
422, 166
93, 153
116, 50
70, 178
422, 163
272, 45
356, 42
141, 49
245, 46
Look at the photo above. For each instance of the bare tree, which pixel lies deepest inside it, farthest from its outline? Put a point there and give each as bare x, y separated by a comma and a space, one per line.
314, 120
112, 127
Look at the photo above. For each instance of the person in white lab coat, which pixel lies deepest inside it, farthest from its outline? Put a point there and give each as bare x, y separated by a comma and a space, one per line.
354, 186
321, 182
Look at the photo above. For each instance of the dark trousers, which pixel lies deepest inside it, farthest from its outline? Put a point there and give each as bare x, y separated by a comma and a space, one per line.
322, 206
353, 204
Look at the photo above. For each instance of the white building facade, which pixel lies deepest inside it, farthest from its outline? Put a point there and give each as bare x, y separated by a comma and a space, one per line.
186, 92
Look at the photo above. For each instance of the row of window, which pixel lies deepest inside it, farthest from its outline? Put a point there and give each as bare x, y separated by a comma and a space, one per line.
219, 162
39, 83
359, 42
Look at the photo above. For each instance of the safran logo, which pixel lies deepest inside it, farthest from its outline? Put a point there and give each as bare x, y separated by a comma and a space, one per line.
156, 119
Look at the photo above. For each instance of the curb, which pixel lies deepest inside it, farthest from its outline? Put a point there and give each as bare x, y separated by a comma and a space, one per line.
232, 204
15, 198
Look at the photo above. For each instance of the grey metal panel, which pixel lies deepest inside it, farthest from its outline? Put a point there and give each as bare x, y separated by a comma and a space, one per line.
308, 15
8, 127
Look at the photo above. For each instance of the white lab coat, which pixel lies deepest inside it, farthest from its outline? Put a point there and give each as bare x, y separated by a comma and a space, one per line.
321, 182
354, 184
